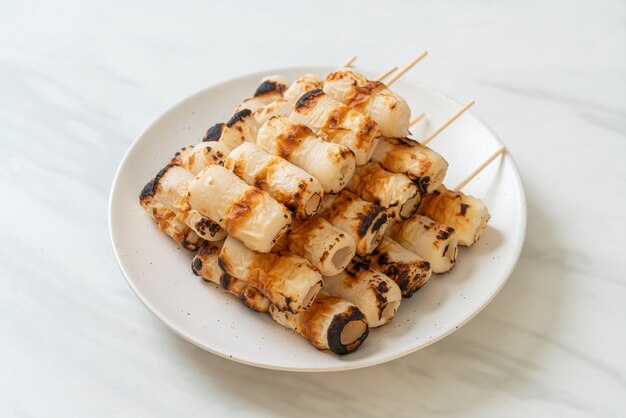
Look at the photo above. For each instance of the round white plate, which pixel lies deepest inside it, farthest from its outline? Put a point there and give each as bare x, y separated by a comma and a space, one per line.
159, 271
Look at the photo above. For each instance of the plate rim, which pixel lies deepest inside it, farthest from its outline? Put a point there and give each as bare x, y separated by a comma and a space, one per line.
522, 229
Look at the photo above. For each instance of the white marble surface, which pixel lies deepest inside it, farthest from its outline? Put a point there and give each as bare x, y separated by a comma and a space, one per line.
79, 80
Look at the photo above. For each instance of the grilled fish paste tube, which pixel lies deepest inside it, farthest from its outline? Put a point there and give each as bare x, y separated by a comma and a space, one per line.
245, 212
434, 242
169, 188
332, 164
168, 222
421, 164
376, 295
287, 280
242, 127
335, 122
327, 248
304, 84
394, 192
407, 269
330, 323
288, 184
271, 89
206, 265
466, 214
195, 158
365, 222
390, 111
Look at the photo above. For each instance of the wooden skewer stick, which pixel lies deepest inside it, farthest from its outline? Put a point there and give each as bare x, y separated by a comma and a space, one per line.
349, 62
407, 68
437, 131
480, 168
386, 74
417, 119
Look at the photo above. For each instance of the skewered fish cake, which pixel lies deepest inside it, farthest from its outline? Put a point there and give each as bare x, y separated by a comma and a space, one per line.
280, 107
395, 192
288, 184
289, 281
245, 212
196, 157
242, 127
434, 242
365, 222
335, 122
390, 111
330, 323
271, 89
376, 295
466, 214
407, 269
332, 164
420, 163
206, 265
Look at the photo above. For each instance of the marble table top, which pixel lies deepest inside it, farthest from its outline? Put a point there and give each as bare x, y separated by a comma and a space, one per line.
80, 80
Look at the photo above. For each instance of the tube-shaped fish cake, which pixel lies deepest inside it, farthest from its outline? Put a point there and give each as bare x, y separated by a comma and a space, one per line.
434, 242
365, 222
407, 269
304, 84
206, 265
327, 247
420, 163
271, 89
168, 222
395, 192
468, 215
376, 295
330, 323
288, 184
335, 122
390, 111
194, 158
280, 107
289, 281
169, 188
242, 127
332, 164
245, 212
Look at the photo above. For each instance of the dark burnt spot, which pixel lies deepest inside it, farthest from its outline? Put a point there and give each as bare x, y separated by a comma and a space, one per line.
382, 287
307, 98
221, 264
445, 250
324, 255
269, 86
464, 209
401, 274
214, 133
291, 204
288, 306
150, 188
443, 235
357, 266
196, 265
336, 327
380, 222
383, 259
239, 116
226, 281
423, 183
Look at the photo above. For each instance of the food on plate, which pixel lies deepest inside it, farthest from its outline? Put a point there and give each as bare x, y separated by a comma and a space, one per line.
290, 185
335, 122
280, 107
332, 164
245, 212
302, 85
365, 222
375, 294
242, 127
327, 247
468, 215
407, 269
194, 158
395, 192
420, 163
390, 111
206, 265
289, 281
330, 323
434, 242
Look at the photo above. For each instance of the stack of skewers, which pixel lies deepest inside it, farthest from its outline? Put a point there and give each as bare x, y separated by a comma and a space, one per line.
312, 205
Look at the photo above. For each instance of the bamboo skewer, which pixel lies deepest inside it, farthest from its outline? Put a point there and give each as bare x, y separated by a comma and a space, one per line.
417, 119
407, 68
349, 62
480, 168
437, 131
386, 74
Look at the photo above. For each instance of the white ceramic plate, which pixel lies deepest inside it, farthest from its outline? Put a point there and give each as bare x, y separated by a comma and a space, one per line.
159, 271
